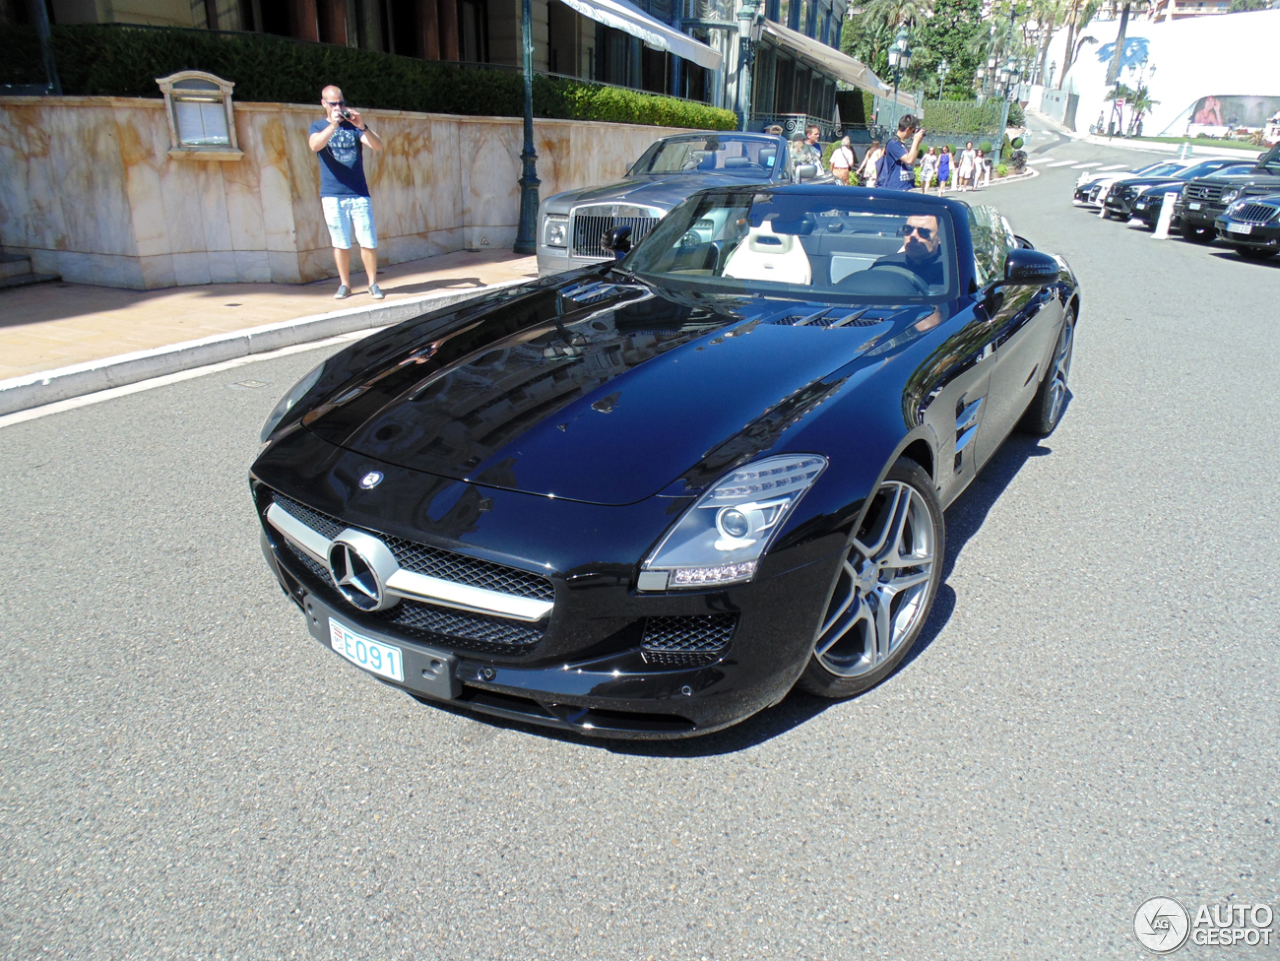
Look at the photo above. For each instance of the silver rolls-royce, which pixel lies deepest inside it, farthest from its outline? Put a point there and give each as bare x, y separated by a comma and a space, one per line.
571, 225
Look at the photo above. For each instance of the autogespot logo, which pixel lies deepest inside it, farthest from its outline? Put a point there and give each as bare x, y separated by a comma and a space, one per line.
1161, 925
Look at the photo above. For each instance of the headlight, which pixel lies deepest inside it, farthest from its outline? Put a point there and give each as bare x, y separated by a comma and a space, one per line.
555, 231
720, 538
296, 393
1229, 195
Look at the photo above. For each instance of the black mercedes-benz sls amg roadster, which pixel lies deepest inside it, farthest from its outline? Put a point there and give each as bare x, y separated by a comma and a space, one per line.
648, 498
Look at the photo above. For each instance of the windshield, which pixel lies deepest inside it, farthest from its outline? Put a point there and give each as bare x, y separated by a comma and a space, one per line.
793, 244
711, 154
1162, 169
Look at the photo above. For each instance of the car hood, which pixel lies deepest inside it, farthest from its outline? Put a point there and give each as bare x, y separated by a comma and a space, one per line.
664, 191
587, 391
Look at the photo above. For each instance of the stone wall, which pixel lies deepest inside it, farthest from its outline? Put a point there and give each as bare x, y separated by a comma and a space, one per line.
88, 190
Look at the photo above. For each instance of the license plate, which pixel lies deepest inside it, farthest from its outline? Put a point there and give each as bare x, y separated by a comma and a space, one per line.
1193, 206
374, 656
1139, 206
1239, 228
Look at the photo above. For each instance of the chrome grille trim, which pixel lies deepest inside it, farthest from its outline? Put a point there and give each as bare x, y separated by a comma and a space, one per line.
1210, 192
588, 224
410, 585
1255, 213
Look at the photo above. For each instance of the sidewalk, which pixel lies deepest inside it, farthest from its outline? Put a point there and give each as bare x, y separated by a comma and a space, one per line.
53, 325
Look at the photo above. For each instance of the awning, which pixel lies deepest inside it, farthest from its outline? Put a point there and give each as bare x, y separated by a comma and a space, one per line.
837, 64
632, 20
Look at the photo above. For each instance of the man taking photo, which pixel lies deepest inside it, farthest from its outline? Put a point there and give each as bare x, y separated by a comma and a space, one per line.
344, 194
897, 168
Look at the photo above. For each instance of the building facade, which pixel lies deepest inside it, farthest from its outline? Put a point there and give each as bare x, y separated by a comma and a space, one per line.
797, 63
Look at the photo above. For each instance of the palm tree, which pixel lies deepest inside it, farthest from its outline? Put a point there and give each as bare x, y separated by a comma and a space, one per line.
1078, 15
1141, 103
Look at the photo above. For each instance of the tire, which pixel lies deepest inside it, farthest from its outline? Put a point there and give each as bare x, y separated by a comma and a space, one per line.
1199, 235
1045, 409
880, 601
1254, 253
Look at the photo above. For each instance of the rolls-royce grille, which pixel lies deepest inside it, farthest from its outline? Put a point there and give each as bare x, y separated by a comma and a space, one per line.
439, 625
591, 223
1255, 213
699, 634
1210, 192
434, 561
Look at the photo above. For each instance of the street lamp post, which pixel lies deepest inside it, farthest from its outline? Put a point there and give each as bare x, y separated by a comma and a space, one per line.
526, 231
944, 68
1053, 68
900, 60
750, 25
1007, 72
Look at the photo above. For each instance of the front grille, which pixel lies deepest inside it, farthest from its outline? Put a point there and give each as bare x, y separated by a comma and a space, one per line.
434, 561
699, 634
1255, 213
591, 223
1209, 192
425, 622
474, 632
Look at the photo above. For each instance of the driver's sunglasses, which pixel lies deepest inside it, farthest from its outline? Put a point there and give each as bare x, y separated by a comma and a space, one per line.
926, 233
335, 103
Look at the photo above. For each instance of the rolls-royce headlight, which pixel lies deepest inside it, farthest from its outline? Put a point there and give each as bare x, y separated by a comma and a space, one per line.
296, 393
555, 231
1230, 195
719, 540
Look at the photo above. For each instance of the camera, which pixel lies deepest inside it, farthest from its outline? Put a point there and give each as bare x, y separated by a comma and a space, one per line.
346, 114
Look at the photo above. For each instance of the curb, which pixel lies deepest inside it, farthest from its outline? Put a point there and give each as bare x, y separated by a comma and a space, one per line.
64, 383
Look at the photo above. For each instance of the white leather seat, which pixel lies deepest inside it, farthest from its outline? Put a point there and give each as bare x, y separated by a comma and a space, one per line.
764, 255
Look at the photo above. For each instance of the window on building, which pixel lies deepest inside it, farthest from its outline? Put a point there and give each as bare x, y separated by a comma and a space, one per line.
473, 31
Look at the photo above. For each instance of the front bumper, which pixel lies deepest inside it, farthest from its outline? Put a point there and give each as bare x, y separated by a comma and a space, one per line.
1205, 214
612, 694
1147, 210
1259, 236
591, 664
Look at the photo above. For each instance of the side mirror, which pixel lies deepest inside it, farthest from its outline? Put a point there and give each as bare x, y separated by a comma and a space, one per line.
1023, 242
806, 172
617, 239
1030, 267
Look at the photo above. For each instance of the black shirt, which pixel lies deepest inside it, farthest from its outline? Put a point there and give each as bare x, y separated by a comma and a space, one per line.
931, 271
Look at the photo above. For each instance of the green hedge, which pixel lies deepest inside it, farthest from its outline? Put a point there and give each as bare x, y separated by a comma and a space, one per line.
124, 62
953, 116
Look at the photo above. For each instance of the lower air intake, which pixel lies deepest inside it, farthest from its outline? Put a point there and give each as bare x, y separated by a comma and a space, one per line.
687, 641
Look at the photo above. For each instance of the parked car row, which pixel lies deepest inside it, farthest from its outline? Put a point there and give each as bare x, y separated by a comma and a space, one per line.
1235, 201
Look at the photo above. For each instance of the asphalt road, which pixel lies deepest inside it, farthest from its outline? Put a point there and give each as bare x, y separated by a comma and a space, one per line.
1091, 719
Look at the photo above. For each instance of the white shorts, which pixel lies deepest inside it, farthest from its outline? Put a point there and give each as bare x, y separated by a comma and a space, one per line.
348, 217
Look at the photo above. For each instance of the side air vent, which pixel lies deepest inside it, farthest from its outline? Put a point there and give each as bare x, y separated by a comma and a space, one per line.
966, 427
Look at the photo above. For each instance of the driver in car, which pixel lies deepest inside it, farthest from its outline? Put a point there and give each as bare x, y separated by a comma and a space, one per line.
921, 251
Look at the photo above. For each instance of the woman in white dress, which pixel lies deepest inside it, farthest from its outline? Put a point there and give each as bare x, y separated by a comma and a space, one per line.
867, 172
928, 168
967, 158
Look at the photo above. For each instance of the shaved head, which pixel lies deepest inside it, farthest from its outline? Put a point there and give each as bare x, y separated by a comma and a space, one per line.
331, 93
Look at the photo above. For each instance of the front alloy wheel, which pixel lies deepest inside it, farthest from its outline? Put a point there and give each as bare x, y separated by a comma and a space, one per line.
885, 588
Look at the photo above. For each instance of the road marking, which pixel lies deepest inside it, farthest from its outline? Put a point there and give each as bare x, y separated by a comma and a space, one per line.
1062, 163
1114, 167
1039, 160
21, 416
1091, 163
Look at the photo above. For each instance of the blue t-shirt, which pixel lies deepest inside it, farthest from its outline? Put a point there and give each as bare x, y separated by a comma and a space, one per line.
341, 162
895, 173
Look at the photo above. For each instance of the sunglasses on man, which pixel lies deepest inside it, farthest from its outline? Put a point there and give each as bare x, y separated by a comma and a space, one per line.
925, 233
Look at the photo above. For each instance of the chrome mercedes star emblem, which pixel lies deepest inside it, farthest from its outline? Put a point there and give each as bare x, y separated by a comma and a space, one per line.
371, 480
354, 577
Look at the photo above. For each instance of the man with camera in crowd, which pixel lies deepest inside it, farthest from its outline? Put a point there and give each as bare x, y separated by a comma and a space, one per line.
344, 194
898, 167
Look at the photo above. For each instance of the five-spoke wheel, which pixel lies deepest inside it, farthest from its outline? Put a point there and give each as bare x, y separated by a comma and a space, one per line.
885, 587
